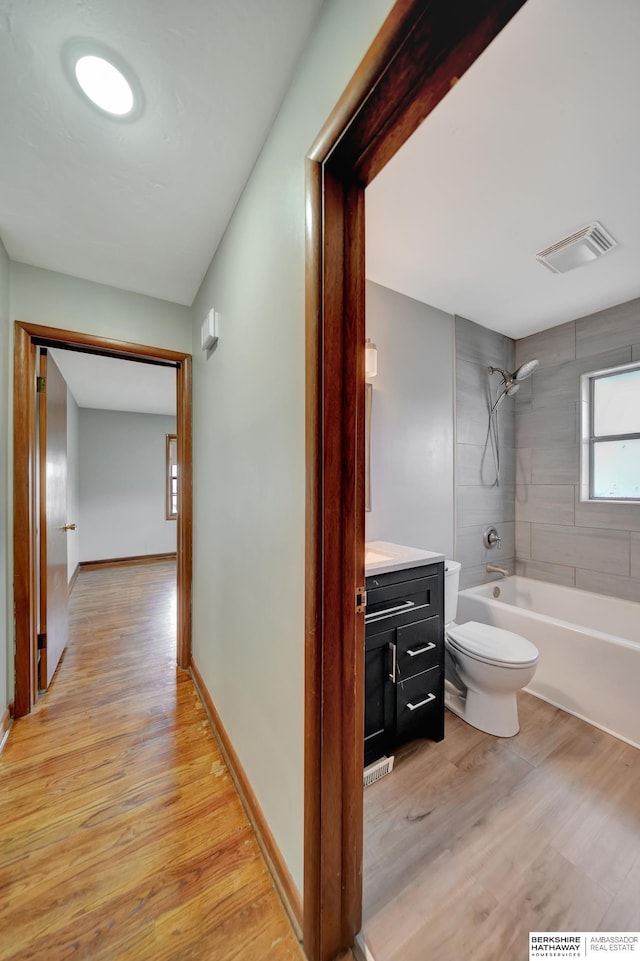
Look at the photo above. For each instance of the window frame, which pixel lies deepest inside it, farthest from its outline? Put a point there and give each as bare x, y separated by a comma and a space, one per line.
170, 515
588, 438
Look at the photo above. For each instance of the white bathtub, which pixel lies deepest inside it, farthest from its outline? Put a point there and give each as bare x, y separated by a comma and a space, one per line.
589, 647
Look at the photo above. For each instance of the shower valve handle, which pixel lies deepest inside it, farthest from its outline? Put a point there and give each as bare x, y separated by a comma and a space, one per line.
491, 538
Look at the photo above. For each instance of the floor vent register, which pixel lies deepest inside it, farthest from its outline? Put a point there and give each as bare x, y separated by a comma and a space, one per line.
378, 769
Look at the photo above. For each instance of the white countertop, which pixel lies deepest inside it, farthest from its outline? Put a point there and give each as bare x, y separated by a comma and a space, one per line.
381, 557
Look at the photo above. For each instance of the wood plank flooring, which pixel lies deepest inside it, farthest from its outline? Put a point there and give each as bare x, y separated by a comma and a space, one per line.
121, 834
471, 843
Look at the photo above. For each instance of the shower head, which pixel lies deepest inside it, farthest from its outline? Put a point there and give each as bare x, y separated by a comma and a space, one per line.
510, 385
511, 382
509, 389
526, 370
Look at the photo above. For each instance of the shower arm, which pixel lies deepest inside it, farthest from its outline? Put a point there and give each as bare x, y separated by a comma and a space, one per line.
506, 376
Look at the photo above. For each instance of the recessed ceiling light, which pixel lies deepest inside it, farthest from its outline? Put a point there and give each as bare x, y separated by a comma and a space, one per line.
101, 75
104, 85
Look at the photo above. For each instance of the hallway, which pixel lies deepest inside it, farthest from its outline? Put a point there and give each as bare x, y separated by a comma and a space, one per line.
121, 833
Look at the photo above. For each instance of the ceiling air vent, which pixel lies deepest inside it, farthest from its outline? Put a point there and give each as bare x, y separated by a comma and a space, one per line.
580, 248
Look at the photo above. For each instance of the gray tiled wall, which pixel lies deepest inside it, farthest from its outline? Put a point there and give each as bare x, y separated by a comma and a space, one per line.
480, 503
558, 537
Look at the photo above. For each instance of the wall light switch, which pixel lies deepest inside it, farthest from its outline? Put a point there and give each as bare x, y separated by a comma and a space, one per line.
209, 330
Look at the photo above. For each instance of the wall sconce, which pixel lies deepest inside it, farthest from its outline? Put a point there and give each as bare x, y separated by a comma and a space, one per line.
370, 359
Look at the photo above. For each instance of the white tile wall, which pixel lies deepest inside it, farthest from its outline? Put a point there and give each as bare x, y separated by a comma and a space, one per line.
635, 554
523, 465
546, 504
475, 393
615, 327
523, 540
535, 428
555, 465
620, 517
543, 571
475, 465
555, 537
479, 345
560, 383
550, 347
598, 548
592, 548
481, 503
625, 587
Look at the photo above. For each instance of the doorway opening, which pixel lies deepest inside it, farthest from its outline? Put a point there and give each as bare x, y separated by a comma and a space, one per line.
30, 341
103, 491
419, 53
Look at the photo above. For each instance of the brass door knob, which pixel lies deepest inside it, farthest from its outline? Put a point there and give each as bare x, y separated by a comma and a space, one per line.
68, 527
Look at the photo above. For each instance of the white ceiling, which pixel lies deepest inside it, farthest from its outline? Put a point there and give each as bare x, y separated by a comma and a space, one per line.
538, 139
108, 383
138, 205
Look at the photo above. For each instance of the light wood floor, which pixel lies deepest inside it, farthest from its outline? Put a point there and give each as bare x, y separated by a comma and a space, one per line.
121, 834
472, 843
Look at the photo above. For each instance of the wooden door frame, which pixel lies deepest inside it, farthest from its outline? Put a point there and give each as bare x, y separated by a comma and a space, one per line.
28, 337
421, 50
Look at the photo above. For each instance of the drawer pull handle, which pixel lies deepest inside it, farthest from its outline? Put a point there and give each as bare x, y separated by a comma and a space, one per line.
378, 615
427, 700
421, 650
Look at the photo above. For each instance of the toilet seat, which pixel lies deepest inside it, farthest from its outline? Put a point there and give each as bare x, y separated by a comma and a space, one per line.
493, 645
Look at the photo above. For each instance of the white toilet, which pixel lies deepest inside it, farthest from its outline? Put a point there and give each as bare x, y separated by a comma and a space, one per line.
484, 667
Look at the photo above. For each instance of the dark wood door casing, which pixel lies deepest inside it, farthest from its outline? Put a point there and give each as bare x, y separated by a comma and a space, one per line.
27, 338
418, 55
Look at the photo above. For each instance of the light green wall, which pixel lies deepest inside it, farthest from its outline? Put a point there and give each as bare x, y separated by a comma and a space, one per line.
6, 603
248, 425
56, 300
122, 513
249, 494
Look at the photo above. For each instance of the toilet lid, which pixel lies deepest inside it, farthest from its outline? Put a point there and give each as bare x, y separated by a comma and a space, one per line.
492, 644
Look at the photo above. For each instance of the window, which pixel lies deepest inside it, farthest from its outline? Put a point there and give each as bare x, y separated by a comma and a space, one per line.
172, 477
610, 432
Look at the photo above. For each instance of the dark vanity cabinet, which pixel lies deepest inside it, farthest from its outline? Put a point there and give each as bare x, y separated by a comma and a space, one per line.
404, 658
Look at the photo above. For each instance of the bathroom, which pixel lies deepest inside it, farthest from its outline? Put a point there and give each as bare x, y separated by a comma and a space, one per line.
434, 486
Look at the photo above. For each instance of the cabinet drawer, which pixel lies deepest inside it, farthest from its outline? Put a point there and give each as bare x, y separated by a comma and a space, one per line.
406, 597
419, 646
403, 575
419, 705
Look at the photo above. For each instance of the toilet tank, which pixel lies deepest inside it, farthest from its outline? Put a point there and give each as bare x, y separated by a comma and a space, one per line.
451, 584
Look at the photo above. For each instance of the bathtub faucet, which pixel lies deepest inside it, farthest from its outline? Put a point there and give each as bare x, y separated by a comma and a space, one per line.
494, 569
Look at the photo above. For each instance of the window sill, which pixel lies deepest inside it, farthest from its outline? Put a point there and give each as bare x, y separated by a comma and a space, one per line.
608, 500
